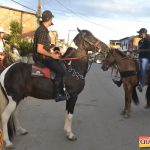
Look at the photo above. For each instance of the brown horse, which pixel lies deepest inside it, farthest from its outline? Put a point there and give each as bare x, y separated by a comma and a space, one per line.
129, 71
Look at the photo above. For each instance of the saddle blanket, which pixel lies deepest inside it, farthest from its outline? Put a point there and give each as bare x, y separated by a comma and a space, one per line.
42, 72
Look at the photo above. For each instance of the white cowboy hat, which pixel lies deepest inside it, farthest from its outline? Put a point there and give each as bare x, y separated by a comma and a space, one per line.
2, 30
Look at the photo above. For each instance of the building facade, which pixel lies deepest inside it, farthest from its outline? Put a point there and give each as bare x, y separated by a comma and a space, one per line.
114, 44
126, 44
27, 20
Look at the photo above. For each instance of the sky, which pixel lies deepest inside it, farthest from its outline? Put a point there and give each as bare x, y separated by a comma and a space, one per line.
106, 19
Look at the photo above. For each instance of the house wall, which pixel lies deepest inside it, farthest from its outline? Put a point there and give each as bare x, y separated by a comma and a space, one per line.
27, 20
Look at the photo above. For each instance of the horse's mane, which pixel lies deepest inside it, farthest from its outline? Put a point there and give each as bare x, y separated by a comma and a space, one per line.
120, 53
70, 52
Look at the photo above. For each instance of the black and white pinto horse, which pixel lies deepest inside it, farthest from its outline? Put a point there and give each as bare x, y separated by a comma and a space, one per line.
17, 83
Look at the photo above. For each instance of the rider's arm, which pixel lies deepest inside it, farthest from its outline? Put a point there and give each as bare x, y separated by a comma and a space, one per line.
42, 38
41, 50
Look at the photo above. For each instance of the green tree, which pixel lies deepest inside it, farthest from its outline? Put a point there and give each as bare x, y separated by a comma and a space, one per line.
15, 34
25, 47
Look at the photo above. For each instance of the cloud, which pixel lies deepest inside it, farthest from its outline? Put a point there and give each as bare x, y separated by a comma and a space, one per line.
12, 4
113, 8
107, 19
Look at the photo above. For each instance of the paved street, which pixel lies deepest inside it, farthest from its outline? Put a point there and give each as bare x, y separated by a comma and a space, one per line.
97, 122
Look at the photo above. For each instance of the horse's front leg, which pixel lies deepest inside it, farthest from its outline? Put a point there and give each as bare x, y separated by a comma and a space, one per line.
18, 127
128, 94
70, 104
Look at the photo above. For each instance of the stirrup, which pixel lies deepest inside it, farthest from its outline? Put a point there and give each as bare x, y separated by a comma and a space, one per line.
60, 97
118, 83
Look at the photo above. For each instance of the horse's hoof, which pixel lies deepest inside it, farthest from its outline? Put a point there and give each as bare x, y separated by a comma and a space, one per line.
26, 132
147, 107
22, 132
9, 147
123, 113
73, 138
126, 116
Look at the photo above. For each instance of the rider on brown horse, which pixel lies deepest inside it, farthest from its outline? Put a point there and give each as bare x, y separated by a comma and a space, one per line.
144, 56
43, 54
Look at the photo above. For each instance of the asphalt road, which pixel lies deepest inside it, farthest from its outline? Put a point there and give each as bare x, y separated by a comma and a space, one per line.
97, 122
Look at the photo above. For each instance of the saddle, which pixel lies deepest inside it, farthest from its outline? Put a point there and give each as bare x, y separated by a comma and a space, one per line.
39, 70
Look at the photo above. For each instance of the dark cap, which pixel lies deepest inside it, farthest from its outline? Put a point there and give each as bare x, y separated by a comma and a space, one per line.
142, 30
46, 15
56, 49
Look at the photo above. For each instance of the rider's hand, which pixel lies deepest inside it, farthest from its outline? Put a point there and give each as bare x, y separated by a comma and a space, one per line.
55, 56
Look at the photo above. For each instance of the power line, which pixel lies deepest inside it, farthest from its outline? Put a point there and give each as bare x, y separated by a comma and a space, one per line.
23, 5
83, 17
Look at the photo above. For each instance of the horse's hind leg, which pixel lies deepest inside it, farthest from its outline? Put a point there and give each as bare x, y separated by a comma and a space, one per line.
148, 97
125, 106
126, 100
5, 117
68, 118
19, 129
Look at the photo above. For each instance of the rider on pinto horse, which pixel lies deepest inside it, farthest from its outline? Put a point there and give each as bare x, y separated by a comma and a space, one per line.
42, 53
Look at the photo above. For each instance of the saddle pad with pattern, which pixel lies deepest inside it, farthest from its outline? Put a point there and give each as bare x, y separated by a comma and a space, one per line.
41, 72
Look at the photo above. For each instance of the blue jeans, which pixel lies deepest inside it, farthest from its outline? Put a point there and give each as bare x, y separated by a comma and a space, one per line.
143, 67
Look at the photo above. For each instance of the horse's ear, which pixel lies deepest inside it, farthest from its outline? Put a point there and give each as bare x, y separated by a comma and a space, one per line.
78, 30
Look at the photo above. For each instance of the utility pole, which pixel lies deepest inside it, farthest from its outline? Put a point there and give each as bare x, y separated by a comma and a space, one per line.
39, 11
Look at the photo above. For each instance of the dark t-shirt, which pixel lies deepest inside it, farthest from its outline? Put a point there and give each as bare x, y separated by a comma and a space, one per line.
145, 45
41, 36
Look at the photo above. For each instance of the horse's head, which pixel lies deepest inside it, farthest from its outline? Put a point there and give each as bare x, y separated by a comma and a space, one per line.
10, 58
86, 40
109, 60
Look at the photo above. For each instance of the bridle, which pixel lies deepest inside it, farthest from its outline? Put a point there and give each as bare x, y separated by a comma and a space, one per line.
97, 44
76, 74
92, 56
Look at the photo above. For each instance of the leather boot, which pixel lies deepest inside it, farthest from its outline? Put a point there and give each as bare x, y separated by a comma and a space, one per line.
59, 95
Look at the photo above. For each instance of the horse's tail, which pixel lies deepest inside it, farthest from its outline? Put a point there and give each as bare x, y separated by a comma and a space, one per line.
135, 96
11, 128
148, 96
3, 103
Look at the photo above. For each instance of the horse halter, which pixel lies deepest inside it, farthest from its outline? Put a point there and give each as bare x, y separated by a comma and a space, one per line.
96, 45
